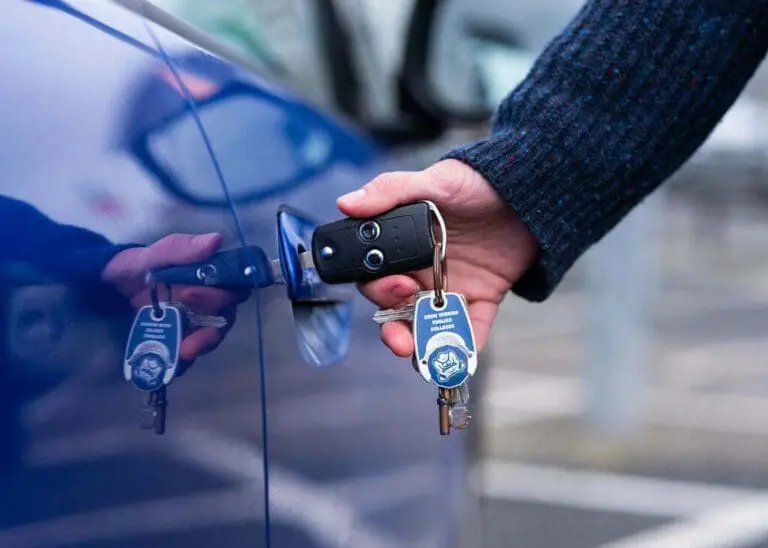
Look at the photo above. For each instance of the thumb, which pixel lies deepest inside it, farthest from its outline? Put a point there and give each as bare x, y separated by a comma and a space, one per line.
179, 249
386, 192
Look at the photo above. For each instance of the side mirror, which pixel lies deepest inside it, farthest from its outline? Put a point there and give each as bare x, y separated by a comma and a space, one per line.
265, 144
461, 59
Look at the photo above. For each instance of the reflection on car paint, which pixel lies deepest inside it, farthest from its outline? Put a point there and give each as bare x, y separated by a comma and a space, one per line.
75, 469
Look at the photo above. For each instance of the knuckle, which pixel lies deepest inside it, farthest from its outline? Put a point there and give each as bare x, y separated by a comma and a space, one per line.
388, 183
171, 241
450, 179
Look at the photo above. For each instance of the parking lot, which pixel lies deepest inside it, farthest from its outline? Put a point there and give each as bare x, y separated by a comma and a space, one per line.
695, 472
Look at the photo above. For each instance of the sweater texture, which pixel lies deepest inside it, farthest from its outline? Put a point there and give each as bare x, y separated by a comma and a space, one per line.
613, 106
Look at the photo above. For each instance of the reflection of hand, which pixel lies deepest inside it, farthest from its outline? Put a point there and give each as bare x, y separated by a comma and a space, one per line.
127, 271
489, 248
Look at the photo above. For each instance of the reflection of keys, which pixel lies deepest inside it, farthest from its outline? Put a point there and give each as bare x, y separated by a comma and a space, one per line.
152, 358
153, 414
193, 319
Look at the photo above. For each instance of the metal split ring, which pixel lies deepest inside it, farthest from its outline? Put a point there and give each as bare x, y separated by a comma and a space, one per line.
439, 275
157, 310
441, 222
439, 262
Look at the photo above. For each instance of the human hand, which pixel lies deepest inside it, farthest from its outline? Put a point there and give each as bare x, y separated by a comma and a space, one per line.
127, 271
488, 249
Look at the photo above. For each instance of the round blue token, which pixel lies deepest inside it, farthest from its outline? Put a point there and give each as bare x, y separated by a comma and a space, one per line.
448, 366
148, 370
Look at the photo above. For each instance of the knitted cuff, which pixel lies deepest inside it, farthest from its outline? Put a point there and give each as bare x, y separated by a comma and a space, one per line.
538, 205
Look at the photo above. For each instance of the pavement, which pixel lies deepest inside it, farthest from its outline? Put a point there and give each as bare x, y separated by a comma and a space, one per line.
688, 468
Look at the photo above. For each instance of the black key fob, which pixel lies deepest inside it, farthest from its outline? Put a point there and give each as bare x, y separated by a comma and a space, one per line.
359, 250
231, 269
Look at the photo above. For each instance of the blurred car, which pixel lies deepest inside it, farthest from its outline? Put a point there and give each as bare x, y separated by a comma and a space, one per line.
300, 429
503, 37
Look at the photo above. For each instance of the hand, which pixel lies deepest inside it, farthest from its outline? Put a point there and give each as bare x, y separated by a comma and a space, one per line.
488, 249
126, 271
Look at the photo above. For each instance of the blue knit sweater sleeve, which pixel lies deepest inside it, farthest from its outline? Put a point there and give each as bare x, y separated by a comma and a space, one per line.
69, 254
616, 103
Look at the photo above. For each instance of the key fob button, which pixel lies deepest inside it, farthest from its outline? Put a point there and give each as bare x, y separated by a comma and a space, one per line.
374, 260
207, 273
395, 242
369, 231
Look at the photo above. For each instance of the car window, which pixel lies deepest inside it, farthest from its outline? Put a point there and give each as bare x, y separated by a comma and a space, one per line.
282, 38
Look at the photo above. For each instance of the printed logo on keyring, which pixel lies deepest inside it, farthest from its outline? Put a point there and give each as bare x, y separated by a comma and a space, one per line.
152, 352
149, 364
445, 344
448, 366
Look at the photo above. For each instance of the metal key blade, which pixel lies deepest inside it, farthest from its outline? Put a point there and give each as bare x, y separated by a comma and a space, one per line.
444, 411
459, 417
462, 393
397, 314
393, 315
160, 404
200, 320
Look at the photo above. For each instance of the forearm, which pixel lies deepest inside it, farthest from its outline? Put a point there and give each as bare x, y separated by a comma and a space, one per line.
68, 254
615, 104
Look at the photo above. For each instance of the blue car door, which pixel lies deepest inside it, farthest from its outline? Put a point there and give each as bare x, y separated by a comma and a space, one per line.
83, 81
124, 125
350, 448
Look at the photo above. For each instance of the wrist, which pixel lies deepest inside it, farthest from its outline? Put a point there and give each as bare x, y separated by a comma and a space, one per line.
482, 200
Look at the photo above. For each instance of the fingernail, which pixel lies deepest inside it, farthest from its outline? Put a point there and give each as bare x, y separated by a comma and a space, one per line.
204, 239
353, 197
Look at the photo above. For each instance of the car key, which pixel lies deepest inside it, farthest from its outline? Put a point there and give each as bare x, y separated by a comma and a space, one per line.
349, 250
229, 269
193, 320
357, 250
405, 313
152, 358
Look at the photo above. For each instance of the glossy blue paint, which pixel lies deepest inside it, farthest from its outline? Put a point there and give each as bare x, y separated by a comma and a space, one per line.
97, 134
322, 313
294, 232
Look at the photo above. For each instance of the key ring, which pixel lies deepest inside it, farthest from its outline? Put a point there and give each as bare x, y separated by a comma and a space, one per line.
439, 275
439, 262
441, 222
157, 310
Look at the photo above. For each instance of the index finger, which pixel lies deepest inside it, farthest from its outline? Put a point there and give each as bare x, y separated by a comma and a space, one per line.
390, 291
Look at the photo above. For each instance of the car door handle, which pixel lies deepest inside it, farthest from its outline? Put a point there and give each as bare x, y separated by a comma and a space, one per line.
294, 233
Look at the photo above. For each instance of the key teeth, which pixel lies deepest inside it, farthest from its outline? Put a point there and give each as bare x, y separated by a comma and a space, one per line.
460, 417
147, 418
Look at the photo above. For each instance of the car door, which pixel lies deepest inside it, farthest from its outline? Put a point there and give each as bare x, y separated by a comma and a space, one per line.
81, 80
350, 444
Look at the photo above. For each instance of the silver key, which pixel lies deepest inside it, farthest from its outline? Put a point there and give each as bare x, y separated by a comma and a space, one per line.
459, 417
397, 314
458, 413
461, 394
200, 320
394, 314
